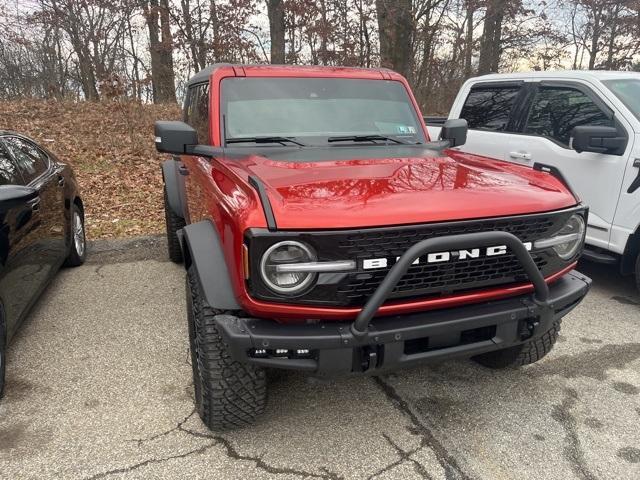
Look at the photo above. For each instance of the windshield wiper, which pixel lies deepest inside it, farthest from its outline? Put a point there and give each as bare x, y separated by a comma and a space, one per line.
365, 138
282, 140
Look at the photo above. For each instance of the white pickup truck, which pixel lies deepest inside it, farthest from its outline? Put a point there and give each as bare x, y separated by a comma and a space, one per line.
585, 124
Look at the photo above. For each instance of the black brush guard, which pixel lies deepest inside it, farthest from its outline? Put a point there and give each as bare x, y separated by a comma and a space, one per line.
373, 345
453, 242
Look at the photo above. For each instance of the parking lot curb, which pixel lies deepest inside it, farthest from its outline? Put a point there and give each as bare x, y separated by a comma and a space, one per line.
121, 250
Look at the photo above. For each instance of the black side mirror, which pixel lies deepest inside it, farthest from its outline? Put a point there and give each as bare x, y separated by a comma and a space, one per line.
455, 132
16, 195
174, 137
596, 139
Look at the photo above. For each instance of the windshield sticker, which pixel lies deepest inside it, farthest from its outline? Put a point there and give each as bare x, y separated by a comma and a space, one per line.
406, 130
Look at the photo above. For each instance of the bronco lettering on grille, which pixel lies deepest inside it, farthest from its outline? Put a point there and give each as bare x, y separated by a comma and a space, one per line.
440, 257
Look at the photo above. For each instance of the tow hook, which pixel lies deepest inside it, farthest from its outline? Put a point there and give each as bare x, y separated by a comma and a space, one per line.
370, 356
527, 328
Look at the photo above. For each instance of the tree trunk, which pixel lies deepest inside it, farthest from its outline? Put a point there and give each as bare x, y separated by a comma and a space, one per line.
395, 25
468, 40
595, 38
136, 60
364, 38
612, 38
85, 69
161, 49
491, 40
323, 36
275, 10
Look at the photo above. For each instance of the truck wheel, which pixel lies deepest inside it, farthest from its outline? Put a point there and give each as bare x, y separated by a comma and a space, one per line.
78, 251
528, 352
173, 223
228, 394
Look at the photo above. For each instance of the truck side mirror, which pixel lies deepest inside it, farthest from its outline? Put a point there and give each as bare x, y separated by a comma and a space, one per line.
455, 132
597, 139
15, 195
174, 137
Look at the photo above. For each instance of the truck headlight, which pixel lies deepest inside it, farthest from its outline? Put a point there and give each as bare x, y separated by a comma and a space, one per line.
282, 253
568, 240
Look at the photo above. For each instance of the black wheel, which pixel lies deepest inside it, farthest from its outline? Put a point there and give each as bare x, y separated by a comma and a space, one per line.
78, 250
228, 394
528, 352
173, 223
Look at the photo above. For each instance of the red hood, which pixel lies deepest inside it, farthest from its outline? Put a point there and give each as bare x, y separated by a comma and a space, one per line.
370, 192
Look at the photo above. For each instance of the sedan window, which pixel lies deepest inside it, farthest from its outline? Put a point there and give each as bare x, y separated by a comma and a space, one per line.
9, 174
31, 161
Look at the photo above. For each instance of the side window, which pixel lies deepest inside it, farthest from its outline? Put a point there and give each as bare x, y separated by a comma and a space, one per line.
489, 108
557, 110
197, 111
192, 100
31, 161
9, 174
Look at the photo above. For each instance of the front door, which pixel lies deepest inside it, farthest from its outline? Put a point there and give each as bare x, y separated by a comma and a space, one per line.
196, 171
555, 109
20, 277
45, 176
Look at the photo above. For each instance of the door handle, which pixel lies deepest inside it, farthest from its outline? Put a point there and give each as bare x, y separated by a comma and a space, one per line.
520, 155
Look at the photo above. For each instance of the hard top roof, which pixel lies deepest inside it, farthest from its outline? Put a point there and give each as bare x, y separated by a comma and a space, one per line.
204, 74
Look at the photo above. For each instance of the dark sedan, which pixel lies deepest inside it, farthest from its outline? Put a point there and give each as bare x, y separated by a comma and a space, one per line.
41, 228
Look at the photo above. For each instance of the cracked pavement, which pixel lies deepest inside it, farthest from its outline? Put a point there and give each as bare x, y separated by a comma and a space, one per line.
99, 386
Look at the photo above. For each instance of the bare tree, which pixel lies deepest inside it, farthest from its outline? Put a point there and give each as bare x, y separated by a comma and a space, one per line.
470, 10
606, 32
490, 42
156, 13
275, 11
396, 29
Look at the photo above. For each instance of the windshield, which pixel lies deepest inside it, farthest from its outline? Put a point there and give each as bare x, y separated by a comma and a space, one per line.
316, 109
628, 91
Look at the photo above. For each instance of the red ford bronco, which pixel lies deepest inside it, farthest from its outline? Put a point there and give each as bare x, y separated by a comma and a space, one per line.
323, 231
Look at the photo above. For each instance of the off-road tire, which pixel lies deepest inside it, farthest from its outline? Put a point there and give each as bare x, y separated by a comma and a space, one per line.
173, 223
76, 256
228, 394
525, 354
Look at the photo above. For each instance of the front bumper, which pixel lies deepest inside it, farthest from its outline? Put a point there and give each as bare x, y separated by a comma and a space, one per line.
390, 343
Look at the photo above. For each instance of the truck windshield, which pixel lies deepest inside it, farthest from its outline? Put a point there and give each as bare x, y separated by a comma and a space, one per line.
319, 109
628, 91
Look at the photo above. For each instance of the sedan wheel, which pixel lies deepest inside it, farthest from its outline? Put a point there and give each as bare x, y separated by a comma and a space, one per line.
78, 251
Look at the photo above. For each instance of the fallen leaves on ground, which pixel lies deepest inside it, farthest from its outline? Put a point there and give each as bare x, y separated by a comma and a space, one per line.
111, 147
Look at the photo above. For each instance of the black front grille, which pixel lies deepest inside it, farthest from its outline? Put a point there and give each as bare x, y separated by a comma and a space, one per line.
452, 277
422, 280
447, 277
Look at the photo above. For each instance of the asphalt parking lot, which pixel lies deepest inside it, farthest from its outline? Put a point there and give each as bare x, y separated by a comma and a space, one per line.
99, 386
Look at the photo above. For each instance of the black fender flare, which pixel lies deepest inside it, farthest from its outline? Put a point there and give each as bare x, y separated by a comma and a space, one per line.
202, 251
171, 178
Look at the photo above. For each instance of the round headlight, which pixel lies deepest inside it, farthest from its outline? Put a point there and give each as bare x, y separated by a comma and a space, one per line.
573, 232
283, 253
